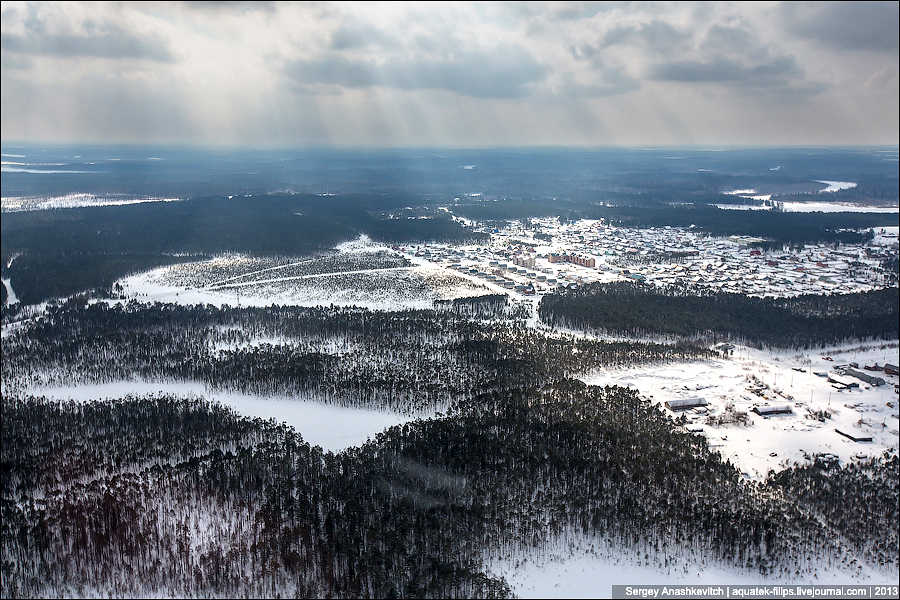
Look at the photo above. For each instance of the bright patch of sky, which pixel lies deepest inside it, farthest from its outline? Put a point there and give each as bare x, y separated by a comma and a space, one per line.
463, 74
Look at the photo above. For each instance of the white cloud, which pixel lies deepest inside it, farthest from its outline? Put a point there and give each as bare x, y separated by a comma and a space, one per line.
447, 74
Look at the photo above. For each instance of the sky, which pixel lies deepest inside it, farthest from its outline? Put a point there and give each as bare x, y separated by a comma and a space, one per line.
455, 74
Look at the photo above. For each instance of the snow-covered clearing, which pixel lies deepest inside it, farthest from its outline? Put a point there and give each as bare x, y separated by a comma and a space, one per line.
835, 186
257, 272
378, 289
777, 441
335, 279
885, 236
26, 203
313, 276
332, 427
834, 207
743, 206
583, 567
11, 297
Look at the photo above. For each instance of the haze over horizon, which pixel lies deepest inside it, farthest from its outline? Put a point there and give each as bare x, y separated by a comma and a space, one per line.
458, 75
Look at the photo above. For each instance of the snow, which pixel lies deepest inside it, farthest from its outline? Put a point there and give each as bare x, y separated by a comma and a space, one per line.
388, 288
75, 200
885, 236
377, 289
11, 297
11, 169
834, 207
363, 243
742, 207
792, 438
835, 186
334, 428
312, 276
585, 567
800, 206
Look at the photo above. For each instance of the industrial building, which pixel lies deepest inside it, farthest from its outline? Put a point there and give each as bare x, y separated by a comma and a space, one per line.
775, 409
685, 403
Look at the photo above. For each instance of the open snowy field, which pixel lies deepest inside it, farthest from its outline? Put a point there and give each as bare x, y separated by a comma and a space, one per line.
359, 273
829, 207
334, 428
777, 441
581, 567
885, 236
26, 203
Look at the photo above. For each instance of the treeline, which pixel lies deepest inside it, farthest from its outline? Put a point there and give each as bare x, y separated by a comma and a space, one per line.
406, 361
634, 309
642, 210
783, 227
162, 495
891, 268
846, 497
69, 250
881, 191
269, 224
39, 277
484, 306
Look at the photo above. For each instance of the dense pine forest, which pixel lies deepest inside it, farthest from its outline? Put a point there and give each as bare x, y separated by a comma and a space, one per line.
404, 361
62, 252
507, 452
800, 322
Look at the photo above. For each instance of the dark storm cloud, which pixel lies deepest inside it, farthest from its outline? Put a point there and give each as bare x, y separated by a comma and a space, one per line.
779, 72
846, 26
501, 73
100, 41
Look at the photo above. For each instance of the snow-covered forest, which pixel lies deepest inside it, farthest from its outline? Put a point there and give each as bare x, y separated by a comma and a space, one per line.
505, 452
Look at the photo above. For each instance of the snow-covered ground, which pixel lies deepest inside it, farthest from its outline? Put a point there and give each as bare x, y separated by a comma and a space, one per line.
583, 567
743, 206
803, 206
827, 207
834, 207
885, 236
777, 441
11, 297
378, 288
26, 203
332, 427
835, 186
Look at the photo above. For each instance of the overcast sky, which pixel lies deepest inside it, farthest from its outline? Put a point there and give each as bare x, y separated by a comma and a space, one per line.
484, 74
